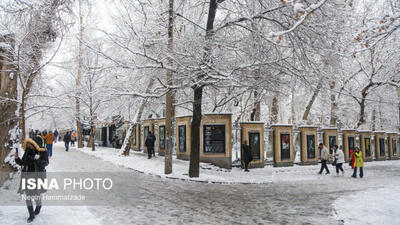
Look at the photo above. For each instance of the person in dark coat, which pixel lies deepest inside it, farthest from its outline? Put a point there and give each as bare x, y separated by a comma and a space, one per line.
33, 163
150, 144
67, 140
247, 156
56, 136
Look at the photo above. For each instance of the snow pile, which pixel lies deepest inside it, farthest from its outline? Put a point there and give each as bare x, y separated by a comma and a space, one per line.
373, 206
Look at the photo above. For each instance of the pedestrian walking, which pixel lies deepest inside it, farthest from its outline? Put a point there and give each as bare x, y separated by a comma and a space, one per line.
56, 136
247, 156
339, 160
150, 144
358, 163
67, 139
49, 138
33, 164
73, 138
153, 137
324, 158
31, 134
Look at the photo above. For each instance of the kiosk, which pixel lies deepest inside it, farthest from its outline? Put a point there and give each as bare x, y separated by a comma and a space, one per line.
366, 144
148, 126
349, 143
160, 135
309, 145
216, 140
183, 133
393, 144
283, 145
330, 136
380, 146
253, 133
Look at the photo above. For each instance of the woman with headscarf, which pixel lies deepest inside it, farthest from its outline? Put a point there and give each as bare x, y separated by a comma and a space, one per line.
33, 164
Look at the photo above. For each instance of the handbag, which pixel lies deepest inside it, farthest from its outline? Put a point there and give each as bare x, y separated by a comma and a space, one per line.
334, 162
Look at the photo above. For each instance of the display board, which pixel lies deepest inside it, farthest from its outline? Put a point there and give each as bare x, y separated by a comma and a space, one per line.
214, 139
161, 134
311, 146
351, 144
367, 142
332, 142
382, 146
285, 146
254, 138
146, 132
182, 138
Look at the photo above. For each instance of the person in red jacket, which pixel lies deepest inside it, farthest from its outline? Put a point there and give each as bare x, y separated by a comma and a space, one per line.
351, 163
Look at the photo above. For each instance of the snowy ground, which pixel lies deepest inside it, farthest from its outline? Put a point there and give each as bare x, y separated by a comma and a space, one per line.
295, 195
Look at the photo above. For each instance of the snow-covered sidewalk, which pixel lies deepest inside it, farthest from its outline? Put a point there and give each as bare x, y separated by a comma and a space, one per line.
211, 174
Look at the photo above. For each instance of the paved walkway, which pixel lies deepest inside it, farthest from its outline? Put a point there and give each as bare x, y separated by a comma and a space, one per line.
146, 199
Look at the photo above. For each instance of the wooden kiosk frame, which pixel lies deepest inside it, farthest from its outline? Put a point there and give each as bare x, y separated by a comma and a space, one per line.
283, 145
183, 141
349, 142
393, 146
330, 138
212, 139
148, 125
380, 142
366, 144
309, 145
253, 133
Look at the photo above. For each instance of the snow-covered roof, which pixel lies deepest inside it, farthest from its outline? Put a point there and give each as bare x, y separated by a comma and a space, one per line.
253, 122
282, 125
348, 129
308, 126
364, 131
379, 131
329, 128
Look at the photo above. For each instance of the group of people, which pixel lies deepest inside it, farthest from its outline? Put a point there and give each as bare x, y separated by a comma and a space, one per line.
48, 139
338, 160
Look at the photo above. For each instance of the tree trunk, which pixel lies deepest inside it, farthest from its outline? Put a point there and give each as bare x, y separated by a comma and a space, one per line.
170, 108
312, 100
91, 138
8, 106
373, 120
398, 107
195, 136
275, 108
78, 81
334, 109
126, 146
194, 170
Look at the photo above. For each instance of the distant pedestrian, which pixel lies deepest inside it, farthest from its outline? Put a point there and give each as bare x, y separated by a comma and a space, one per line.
247, 156
153, 137
56, 136
73, 138
49, 138
324, 158
358, 163
31, 134
339, 160
67, 140
150, 144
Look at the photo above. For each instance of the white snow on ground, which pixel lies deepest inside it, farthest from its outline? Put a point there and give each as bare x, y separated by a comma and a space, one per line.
16, 215
375, 206
212, 174
208, 173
